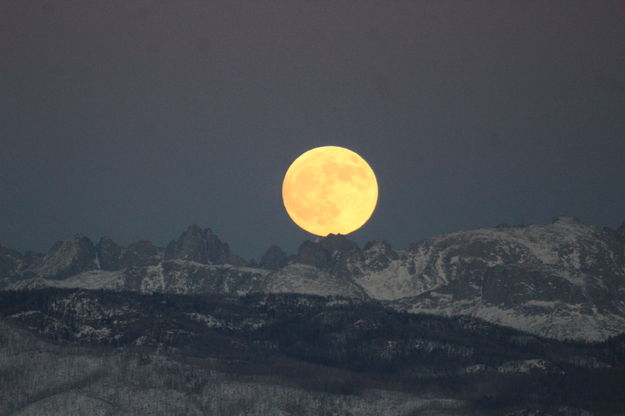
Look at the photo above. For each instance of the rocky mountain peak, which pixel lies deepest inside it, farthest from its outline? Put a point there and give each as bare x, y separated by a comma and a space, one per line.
108, 253
141, 253
313, 254
198, 245
338, 243
565, 219
10, 261
379, 254
274, 258
330, 253
67, 258
381, 245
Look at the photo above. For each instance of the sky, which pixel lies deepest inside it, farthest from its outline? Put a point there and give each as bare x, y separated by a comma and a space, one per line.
135, 118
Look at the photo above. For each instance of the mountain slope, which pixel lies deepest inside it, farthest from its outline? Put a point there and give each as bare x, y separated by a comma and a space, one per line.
103, 352
564, 280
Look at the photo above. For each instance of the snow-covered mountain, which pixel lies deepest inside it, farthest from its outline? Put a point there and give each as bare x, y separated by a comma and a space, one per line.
563, 280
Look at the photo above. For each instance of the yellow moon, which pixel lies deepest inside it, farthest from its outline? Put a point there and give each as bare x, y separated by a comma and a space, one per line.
330, 189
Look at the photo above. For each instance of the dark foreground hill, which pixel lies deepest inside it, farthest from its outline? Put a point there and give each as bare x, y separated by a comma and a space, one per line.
118, 353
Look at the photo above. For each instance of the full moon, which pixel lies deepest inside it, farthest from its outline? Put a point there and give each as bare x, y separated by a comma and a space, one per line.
330, 189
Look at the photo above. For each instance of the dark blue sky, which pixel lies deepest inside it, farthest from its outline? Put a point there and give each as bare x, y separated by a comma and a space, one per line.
135, 118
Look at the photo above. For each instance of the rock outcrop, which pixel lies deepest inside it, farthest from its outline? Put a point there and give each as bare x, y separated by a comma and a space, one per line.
11, 262
332, 253
273, 259
141, 253
67, 258
109, 254
199, 245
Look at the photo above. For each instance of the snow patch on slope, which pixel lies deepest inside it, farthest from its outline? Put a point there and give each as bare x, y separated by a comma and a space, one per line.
308, 280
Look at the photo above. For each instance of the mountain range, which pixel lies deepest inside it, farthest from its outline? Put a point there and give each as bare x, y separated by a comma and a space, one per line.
564, 280
505, 321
